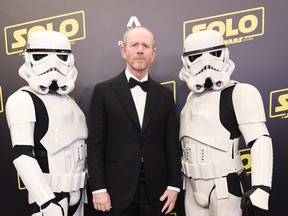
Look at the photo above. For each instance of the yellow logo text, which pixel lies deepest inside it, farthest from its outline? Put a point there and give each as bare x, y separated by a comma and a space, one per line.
71, 24
246, 159
236, 27
278, 103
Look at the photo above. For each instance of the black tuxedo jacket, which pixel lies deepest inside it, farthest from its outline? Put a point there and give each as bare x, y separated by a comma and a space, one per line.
116, 142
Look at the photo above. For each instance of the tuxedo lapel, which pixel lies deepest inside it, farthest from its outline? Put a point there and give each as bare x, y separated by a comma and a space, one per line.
152, 101
121, 89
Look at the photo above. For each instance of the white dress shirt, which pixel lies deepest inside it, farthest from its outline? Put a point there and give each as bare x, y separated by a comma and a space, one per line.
139, 96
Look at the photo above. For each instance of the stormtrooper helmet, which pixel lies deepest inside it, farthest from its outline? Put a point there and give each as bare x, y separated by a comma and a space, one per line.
49, 63
206, 63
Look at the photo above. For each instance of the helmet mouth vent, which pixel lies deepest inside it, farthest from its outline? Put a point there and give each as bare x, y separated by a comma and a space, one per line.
54, 86
208, 83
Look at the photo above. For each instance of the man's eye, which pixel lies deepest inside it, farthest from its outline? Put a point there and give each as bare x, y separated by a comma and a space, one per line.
63, 57
192, 58
38, 57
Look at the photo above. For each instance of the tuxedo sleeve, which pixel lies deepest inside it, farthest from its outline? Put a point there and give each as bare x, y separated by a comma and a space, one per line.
172, 145
96, 122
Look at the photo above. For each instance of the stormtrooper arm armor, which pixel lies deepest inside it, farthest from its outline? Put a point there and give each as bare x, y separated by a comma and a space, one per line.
36, 184
251, 118
33, 178
261, 159
261, 167
21, 117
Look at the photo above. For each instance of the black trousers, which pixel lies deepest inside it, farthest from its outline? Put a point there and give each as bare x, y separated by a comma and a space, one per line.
140, 205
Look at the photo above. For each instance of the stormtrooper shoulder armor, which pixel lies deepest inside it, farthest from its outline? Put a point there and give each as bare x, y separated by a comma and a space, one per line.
248, 104
20, 108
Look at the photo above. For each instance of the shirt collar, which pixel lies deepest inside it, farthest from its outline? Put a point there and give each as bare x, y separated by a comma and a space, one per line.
129, 75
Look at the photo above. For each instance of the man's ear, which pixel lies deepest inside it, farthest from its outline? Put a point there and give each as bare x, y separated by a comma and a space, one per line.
123, 51
154, 53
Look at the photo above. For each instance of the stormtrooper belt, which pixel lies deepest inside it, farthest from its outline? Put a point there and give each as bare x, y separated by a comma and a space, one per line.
66, 182
211, 170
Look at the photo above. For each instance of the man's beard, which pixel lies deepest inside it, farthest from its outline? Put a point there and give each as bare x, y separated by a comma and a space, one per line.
139, 66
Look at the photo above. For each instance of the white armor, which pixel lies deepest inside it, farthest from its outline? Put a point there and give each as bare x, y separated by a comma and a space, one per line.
206, 59
210, 155
54, 127
48, 58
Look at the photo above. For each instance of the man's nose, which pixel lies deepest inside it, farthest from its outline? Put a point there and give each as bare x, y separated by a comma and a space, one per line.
140, 49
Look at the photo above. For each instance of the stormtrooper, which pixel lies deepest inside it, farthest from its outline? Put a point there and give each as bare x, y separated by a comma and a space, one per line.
48, 129
217, 113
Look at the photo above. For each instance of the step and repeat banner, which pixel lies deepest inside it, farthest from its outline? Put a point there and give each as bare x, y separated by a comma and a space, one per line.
254, 31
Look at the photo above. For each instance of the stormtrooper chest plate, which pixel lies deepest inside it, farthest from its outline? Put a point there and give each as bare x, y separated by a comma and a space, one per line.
200, 120
66, 122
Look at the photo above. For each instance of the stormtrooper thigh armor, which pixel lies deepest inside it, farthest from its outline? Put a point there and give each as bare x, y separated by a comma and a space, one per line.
206, 169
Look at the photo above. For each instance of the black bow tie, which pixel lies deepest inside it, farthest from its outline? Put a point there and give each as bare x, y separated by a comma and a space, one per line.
133, 83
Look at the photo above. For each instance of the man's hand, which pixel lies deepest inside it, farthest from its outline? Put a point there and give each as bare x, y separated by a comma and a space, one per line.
101, 201
171, 197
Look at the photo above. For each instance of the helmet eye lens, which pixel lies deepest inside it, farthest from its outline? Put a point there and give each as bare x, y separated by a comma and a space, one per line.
192, 58
216, 53
38, 57
63, 57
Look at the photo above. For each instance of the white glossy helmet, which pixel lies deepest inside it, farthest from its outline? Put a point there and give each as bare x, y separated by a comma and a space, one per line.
49, 63
206, 63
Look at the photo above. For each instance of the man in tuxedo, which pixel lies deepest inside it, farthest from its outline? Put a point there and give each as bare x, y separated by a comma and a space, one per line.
134, 156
